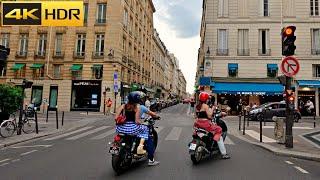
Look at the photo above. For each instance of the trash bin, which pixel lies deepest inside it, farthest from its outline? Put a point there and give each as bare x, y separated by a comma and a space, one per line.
279, 129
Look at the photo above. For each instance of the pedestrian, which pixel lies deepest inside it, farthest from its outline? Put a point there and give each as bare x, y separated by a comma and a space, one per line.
239, 106
192, 103
109, 104
310, 107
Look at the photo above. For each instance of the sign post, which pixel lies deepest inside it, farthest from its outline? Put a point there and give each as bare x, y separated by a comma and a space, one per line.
116, 89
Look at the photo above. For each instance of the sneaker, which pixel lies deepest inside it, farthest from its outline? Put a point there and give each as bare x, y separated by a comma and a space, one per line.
153, 163
226, 156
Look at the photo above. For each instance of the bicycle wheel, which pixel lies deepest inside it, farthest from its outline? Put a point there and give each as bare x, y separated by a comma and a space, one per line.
7, 128
29, 126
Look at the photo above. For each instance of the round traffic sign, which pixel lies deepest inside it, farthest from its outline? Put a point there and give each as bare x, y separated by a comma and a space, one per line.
290, 66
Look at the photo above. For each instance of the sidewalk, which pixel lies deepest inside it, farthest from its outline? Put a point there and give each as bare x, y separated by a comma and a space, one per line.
306, 138
72, 120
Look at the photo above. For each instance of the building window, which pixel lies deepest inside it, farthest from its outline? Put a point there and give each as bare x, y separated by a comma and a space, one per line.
243, 8
264, 43
81, 45
314, 7
99, 49
36, 95
19, 70
272, 70
5, 39
265, 7
316, 70
223, 8
37, 71
101, 13
57, 71
3, 70
85, 6
76, 75
243, 42
97, 71
233, 70
42, 44
222, 42
125, 18
315, 35
23, 45
58, 45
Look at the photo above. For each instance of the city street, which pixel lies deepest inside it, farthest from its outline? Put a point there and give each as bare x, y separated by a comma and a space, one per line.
83, 154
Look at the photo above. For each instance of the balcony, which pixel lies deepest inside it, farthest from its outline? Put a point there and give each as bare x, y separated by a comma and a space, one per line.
315, 51
101, 21
243, 52
79, 55
21, 54
98, 55
264, 52
222, 52
39, 54
58, 54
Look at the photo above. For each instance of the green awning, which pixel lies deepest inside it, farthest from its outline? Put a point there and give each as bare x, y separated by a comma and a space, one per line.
76, 67
96, 66
17, 67
36, 66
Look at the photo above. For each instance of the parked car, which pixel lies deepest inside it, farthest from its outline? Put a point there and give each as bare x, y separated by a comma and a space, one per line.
272, 109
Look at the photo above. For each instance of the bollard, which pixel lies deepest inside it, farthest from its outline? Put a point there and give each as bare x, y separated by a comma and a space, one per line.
57, 119
248, 119
240, 121
261, 128
87, 112
314, 119
36, 119
62, 120
47, 115
264, 118
244, 123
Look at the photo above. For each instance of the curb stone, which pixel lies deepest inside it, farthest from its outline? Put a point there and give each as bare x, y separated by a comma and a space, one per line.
280, 152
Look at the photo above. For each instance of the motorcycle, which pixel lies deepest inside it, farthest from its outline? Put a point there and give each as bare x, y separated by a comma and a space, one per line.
202, 145
124, 147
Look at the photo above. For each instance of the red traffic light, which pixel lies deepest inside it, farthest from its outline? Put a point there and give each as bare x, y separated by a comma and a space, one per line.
289, 31
291, 98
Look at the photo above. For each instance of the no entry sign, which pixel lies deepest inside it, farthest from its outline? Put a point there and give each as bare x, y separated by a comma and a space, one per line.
290, 66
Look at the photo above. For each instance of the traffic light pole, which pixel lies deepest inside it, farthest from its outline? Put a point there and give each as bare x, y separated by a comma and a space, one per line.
289, 116
21, 112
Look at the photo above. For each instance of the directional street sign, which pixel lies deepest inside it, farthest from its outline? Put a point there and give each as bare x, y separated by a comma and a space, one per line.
115, 82
290, 66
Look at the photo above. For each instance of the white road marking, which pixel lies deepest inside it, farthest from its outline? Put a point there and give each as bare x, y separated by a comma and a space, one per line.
87, 133
29, 152
104, 135
303, 128
228, 141
160, 128
18, 147
67, 134
174, 134
289, 162
256, 136
15, 160
4, 160
301, 170
4, 164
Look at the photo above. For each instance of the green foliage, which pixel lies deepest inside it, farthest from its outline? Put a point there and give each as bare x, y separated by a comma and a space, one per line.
10, 98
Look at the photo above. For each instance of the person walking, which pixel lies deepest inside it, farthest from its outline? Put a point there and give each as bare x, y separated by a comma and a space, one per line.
310, 107
192, 103
109, 104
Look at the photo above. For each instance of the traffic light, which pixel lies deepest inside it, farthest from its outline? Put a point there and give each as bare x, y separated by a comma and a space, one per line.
4, 53
291, 102
27, 84
288, 39
282, 80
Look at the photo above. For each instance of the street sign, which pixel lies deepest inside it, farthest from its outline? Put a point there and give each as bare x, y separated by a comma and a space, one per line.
115, 82
290, 66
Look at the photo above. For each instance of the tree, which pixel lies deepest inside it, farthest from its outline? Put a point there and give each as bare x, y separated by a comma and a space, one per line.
11, 98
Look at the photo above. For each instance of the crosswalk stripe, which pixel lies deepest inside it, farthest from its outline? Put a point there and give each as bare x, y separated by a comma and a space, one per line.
104, 135
256, 136
159, 129
228, 141
68, 134
87, 133
174, 134
302, 128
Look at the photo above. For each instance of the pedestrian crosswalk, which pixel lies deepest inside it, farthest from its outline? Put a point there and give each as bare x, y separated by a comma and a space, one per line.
168, 134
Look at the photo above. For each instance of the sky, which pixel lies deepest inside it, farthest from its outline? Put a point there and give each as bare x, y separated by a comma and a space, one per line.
178, 24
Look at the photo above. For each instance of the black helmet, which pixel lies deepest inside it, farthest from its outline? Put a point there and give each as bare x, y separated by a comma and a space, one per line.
134, 97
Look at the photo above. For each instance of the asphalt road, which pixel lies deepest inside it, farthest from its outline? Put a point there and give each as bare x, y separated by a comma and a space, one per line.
83, 154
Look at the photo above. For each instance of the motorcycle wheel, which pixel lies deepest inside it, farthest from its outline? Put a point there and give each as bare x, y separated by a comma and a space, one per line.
155, 139
118, 164
197, 156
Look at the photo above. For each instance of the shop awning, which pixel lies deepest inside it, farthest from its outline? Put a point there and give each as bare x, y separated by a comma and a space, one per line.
248, 88
76, 67
36, 66
17, 66
309, 83
272, 66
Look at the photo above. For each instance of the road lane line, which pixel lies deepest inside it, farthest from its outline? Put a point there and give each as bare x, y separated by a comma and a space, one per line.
15, 160
29, 152
104, 135
87, 133
228, 141
301, 170
4, 164
4, 160
289, 162
256, 136
18, 147
67, 134
298, 127
174, 134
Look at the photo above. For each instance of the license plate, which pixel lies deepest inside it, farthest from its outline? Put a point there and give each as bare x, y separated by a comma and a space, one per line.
114, 150
192, 146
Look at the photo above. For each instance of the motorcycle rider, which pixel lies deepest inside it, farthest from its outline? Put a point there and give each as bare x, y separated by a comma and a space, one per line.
204, 114
133, 125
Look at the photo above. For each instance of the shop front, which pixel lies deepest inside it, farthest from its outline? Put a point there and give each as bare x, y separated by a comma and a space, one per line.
86, 95
307, 90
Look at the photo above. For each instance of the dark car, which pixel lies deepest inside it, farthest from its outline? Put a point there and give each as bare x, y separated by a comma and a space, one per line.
272, 109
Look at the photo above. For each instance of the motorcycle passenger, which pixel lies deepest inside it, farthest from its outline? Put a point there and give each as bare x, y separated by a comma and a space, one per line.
133, 125
150, 146
204, 114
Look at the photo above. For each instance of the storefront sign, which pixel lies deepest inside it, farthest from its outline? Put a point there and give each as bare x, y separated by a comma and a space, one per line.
86, 83
251, 93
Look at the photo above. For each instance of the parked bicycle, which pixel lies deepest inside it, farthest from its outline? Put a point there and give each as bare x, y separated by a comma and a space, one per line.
8, 127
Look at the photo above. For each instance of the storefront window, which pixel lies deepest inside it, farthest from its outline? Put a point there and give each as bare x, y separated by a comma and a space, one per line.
36, 96
53, 97
86, 95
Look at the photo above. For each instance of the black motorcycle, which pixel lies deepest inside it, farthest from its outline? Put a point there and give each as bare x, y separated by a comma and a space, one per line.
124, 147
202, 145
